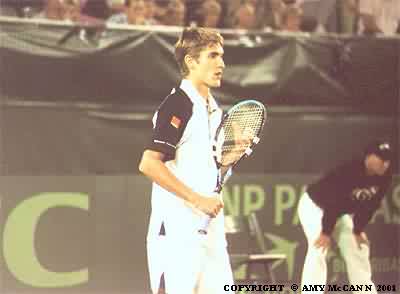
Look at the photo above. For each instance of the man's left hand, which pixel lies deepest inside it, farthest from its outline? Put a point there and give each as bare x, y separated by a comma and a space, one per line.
361, 239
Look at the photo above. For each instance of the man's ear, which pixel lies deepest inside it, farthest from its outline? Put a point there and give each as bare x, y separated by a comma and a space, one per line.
190, 61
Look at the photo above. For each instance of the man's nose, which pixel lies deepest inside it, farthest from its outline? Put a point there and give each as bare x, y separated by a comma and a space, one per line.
222, 63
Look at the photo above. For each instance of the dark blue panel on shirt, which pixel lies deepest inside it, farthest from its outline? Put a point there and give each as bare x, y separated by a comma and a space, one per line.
172, 117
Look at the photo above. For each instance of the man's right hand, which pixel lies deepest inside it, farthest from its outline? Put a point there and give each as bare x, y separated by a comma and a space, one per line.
152, 165
361, 239
323, 241
209, 205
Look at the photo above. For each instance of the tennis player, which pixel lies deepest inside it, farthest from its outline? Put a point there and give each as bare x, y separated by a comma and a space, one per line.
340, 205
180, 163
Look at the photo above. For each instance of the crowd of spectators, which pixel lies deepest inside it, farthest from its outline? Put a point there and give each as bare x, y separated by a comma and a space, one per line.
343, 16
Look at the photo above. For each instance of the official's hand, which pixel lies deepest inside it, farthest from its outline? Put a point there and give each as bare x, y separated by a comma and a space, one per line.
209, 205
323, 241
361, 239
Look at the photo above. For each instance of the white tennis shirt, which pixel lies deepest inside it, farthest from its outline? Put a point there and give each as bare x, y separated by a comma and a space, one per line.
184, 128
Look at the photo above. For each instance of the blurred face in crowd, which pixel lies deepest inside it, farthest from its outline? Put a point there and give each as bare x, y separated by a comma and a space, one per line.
175, 14
292, 19
252, 2
376, 165
245, 17
150, 9
54, 10
72, 9
277, 5
211, 13
136, 12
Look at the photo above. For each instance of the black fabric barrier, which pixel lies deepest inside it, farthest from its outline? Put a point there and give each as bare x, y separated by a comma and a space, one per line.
44, 63
71, 103
40, 140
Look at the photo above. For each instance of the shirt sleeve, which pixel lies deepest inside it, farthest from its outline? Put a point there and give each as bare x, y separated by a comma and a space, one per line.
329, 219
169, 123
362, 217
334, 195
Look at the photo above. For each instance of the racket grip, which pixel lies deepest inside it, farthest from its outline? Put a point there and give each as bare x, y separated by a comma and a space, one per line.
204, 225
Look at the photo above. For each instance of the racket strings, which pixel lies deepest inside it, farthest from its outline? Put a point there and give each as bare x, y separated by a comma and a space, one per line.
240, 129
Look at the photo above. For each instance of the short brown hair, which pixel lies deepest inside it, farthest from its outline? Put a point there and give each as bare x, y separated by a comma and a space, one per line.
192, 42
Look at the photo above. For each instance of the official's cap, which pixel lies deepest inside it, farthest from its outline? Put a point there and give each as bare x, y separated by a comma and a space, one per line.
381, 148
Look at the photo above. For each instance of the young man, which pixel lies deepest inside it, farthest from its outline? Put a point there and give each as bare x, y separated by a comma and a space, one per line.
180, 163
341, 205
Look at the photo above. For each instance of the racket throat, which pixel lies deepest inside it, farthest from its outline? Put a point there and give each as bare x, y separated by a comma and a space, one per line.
218, 189
202, 232
248, 151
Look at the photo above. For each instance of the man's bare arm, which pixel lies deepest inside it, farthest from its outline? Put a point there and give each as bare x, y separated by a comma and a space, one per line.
153, 166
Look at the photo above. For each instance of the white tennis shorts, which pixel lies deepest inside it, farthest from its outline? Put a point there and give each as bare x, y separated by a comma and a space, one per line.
188, 268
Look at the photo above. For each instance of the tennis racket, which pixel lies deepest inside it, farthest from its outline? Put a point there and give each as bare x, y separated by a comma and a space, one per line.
235, 138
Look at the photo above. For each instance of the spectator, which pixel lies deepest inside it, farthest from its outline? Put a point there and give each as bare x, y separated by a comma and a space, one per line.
379, 16
263, 11
174, 14
68, 10
150, 11
7, 10
229, 9
72, 10
21, 8
292, 19
273, 14
348, 16
53, 9
245, 17
96, 10
210, 14
161, 7
117, 6
309, 25
194, 14
134, 14
324, 11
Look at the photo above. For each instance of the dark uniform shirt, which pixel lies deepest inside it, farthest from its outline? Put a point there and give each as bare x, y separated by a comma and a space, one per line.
348, 189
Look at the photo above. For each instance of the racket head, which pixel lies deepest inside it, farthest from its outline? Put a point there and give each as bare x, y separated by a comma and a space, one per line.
239, 132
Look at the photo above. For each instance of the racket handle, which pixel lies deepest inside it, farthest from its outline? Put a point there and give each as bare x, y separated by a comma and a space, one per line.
205, 222
204, 225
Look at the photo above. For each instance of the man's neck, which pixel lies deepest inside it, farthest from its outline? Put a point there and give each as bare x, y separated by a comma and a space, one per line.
203, 90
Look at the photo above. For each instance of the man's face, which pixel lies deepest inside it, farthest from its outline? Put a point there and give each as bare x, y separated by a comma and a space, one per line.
376, 165
208, 67
246, 17
293, 22
175, 14
136, 12
211, 19
72, 10
54, 10
150, 9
